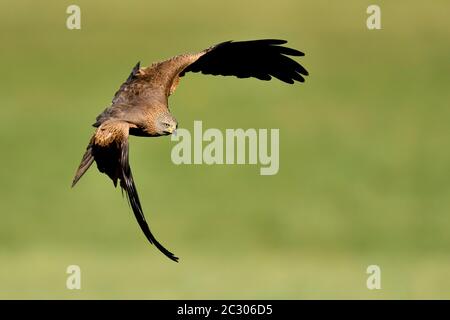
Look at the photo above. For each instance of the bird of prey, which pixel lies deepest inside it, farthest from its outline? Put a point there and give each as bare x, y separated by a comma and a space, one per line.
140, 106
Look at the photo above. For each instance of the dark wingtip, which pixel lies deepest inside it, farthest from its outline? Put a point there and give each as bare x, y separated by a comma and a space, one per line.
163, 250
134, 71
173, 258
75, 179
127, 185
292, 52
274, 41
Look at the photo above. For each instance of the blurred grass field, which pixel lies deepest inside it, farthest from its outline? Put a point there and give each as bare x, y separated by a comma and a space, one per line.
364, 154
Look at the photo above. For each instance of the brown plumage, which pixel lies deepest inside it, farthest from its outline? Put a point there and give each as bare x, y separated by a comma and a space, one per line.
140, 106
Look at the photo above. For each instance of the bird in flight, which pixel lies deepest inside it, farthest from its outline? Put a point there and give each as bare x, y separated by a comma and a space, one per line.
140, 106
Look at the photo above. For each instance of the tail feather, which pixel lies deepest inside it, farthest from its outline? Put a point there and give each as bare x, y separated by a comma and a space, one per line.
86, 162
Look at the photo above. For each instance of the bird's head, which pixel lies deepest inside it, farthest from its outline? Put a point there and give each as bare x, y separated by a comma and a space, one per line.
166, 124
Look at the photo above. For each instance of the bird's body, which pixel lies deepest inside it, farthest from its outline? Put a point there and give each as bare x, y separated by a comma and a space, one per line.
140, 106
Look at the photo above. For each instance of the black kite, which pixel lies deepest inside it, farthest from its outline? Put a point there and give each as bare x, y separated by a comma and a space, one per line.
140, 106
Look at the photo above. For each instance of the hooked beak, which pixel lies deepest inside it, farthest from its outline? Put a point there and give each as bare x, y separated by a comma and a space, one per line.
172, 129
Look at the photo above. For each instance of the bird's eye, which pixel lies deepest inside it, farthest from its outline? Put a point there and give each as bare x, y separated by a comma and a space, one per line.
167, 124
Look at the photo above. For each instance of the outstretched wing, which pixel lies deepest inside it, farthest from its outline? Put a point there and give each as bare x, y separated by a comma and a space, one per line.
262, 59
109, 149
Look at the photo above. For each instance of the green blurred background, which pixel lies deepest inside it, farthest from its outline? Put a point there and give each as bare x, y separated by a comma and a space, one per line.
364, 154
